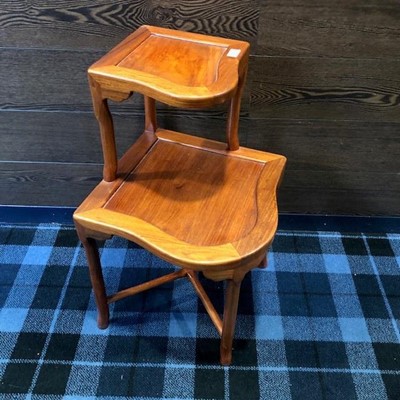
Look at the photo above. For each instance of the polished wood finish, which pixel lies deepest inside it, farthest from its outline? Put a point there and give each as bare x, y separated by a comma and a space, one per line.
185, 52
200, 204
96, 275
146, 286
183, 182
212, 312
229, 321
187, 213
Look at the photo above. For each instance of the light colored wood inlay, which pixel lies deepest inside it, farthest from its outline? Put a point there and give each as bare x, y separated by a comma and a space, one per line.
199, 197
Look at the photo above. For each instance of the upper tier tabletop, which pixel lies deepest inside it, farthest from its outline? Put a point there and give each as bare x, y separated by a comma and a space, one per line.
178, 68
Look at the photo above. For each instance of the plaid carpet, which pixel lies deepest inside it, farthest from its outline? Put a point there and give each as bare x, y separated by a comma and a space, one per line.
321, 322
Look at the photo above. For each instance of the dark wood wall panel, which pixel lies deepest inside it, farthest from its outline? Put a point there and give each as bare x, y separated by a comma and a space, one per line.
59, 136
325, 92
338, 201
323, 146
321, 28
45, 79
333, 165
323, 89
56, 184
329, 88
101, 24
69, 137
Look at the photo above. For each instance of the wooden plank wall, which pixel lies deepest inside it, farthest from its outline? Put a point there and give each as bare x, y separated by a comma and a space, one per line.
324, 90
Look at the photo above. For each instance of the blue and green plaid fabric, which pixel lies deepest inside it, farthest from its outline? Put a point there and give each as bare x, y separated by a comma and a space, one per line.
321, 322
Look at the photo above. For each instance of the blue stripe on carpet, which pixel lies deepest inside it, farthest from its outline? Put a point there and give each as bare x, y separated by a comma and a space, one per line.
321, 322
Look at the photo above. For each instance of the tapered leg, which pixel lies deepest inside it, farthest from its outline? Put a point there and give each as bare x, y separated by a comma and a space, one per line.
104, 118
232, 128
229, 320
96, 277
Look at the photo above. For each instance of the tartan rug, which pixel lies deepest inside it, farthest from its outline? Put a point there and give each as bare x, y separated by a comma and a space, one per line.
321, 322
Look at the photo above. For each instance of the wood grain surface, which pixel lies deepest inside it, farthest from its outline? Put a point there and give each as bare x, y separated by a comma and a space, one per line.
319, 145
319, 28
102, 24
334, 89
323, 89
52, 183
43, 134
